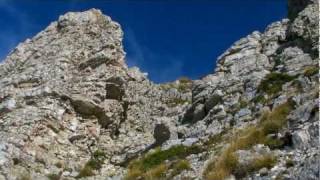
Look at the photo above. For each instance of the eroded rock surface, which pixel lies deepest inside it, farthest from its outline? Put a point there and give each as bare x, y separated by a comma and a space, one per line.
71, 108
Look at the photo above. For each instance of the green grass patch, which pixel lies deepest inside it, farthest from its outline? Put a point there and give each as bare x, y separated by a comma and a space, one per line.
273, 82
260, 99
159, 156
311, 70
148, 163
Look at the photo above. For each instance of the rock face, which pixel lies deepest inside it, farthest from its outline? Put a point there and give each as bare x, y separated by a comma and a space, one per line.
71, 108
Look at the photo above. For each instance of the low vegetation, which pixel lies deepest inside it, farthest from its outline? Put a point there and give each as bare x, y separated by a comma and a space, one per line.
26, 176
170, 162
243, 104
59, 164
260, 99
53, 176
273, 82
311, 70
262, 161
180, 166
158, 156
176, 101
158, 172
185, 80
53, 128
153, 164
289, 163
183, 85
227, 163
95, 163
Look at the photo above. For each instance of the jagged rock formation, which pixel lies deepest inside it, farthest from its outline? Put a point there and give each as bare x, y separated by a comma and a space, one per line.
71, 108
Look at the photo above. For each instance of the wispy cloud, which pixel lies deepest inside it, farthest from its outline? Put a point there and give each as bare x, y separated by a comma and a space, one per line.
10, 37
171, 71
142, 57
135, 56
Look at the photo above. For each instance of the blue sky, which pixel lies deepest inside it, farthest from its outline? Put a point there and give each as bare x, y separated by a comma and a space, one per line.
166, 38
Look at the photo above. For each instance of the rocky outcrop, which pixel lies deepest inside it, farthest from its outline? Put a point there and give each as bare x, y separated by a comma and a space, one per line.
67, 93
71, 108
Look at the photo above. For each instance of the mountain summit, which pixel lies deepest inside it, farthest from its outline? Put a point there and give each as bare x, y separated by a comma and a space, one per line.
70, 108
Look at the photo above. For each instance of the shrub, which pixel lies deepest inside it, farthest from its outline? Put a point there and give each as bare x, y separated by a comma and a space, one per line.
243, 104
218, 174
134, 171
175, 152
247, 138
151, 161
274, 121
272, 83
267, 161
262, 161
311, 70
185, 80
53, 176
95, 163
184, 85
273, 143
59, 164
16, 161
260, 99
289, 163
224, 166
85, 172
156, 172
227, 163
271, 127
215, 139
99, 154
180, 166
270, 123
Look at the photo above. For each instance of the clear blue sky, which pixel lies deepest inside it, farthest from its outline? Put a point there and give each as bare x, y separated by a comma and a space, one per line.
166, 38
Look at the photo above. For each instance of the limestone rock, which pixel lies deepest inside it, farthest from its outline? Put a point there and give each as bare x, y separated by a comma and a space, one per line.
67, 96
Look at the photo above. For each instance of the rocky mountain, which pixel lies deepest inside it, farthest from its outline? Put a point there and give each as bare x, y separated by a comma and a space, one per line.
70, 108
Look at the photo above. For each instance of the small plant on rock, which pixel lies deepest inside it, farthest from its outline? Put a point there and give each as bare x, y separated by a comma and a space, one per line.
289, 163
95, 163
227, 163
180, 166
54, 176
311, 70
152, 163
273, 82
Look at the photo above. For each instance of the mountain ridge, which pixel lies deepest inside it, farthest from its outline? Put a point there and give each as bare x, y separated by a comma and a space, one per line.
70, 108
